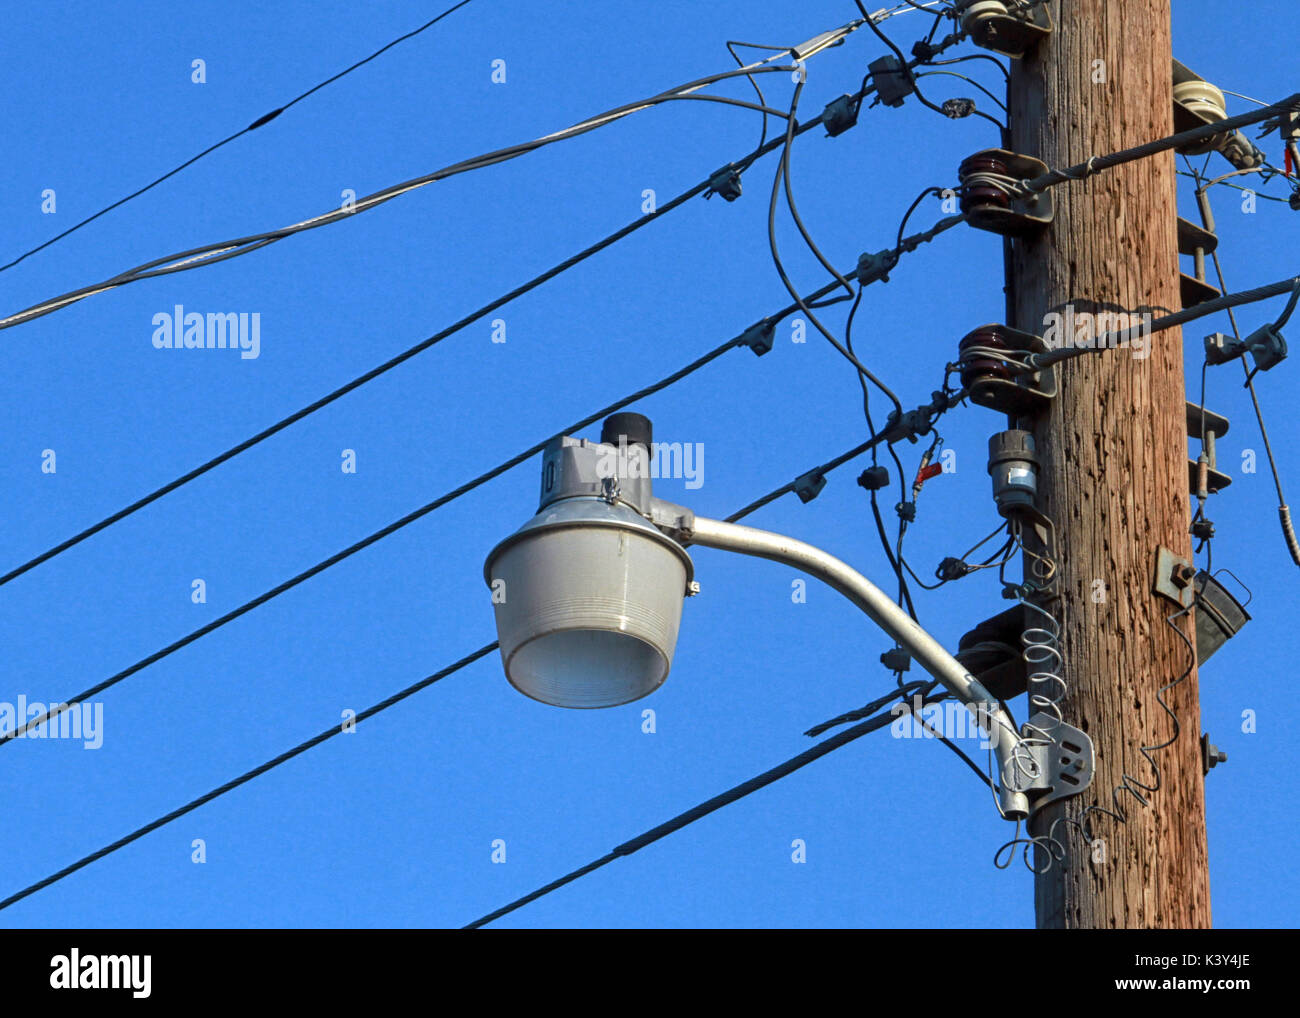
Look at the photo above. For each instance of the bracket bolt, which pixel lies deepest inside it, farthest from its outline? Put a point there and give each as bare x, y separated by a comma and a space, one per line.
1211, 755
1182, 574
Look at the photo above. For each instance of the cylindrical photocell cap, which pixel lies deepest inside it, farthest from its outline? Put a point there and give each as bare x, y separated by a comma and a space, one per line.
634, 429
1012, 445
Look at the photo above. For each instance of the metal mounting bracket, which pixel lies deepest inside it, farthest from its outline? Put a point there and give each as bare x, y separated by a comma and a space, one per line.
1065, 765
997, 27
1173, 578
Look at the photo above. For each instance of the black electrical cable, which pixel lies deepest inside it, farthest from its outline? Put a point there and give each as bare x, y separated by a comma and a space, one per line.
898, 248
1237, 187
210, 254
972, 56
698, 812
969, 80
905, 66
904, 595
334, 730
762, 135
663, 383
895, 563
247, 776
320, 567
486, 309
736, 793
1111, 340
976, 768
785, 279
798, 219
261, 121
872, 708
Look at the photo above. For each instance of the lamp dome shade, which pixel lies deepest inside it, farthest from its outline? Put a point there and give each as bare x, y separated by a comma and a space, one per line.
588, 600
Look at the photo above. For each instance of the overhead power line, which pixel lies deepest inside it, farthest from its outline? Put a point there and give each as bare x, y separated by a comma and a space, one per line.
261, 121
210, 254
1081, 171
745, 338
370, 712
247, 776
704, 186
695, 813
644, 220
1121, 337
58, 708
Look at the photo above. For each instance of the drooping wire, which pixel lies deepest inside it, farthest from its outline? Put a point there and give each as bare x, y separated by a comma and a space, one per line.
973, 56
261, 121
210, 254
780, 268
969, 80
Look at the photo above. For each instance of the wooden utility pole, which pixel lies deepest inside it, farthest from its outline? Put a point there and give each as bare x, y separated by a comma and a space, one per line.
1114, 464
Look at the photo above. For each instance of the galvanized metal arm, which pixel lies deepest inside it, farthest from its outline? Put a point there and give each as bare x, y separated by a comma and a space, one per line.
881, 609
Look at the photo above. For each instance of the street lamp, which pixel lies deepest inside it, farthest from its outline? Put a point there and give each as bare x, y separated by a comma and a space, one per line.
588, 593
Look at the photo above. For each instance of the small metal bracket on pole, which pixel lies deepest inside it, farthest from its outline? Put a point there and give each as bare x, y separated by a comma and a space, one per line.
1174, 577
1065, 764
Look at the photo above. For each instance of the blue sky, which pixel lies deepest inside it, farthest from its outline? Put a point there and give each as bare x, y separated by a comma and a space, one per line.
393, 825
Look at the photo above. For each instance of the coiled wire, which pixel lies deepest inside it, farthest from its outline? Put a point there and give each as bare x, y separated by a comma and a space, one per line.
1043, 658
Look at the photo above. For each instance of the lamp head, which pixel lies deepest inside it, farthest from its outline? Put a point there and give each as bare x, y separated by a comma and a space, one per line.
588, 593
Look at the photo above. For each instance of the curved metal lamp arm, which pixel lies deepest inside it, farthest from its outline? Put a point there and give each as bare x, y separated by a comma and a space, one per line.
878, 606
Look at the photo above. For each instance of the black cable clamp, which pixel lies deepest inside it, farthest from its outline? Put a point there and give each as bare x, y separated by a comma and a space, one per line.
839, 115
874, 478
896, 660
725, 182
906, 511
759, 337
809, 485
952, 569
892, 78
909, 425
873, 267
